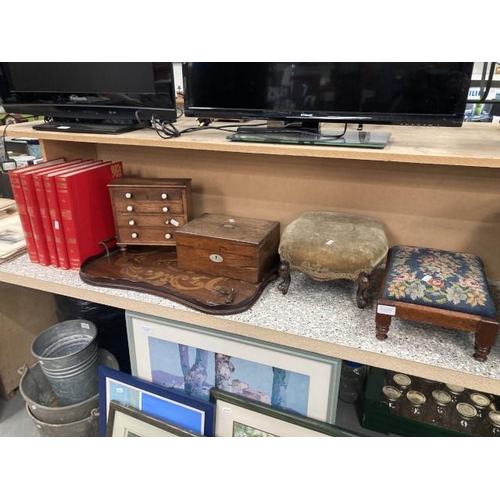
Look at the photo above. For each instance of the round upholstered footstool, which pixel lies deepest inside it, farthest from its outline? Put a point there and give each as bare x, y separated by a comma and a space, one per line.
330, 245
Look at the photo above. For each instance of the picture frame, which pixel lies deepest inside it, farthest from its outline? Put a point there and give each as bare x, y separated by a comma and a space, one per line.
176, 408
194, 359
126, 421
236, 416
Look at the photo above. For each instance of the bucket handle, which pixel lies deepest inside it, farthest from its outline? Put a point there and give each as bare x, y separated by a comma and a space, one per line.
22, 370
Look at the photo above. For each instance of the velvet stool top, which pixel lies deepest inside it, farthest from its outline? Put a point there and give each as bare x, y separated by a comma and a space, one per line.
330, 245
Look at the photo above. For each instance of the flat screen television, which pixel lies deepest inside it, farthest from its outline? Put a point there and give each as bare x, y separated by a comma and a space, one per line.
96, 97
302, 96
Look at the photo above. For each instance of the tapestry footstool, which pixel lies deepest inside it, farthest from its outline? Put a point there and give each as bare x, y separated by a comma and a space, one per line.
439, 287
329, 245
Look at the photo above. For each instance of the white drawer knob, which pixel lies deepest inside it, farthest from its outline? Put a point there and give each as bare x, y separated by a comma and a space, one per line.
135, 235
168, 236
128, 195
164, 196
165, 209
130, 208
131, 222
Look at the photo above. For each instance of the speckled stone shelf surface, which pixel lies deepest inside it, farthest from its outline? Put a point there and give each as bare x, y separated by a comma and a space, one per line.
321, 311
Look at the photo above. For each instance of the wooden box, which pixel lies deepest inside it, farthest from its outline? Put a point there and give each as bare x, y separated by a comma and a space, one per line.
233, 247
149, 211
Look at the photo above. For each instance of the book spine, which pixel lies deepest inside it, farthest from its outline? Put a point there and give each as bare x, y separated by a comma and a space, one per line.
44, 214
22, 210
68, 223
56, 221
36, 219
87, 225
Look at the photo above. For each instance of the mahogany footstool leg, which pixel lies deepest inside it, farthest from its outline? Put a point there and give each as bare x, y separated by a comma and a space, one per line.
363, 283
382, 324
284, 272
486, 335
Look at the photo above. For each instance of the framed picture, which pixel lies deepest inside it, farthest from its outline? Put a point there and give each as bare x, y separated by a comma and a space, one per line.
195, 359
236, 416
177, 408
125, 421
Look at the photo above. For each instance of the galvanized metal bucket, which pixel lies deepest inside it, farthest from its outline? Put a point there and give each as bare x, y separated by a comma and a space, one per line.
87, 427
68, 353
42, 401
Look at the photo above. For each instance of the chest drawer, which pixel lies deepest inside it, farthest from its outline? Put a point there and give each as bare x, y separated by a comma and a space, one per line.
149, 211
144, 220
137, 194
147, 235
147, 207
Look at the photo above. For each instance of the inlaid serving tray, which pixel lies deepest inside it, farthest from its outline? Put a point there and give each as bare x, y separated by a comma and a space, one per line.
154, 270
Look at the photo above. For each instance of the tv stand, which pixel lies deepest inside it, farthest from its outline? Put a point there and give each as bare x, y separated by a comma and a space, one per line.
89, 127
303, 135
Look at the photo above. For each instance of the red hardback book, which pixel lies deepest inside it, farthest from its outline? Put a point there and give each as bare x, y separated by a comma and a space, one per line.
86, 210
54, 211
18, 193
34, 210
37, 178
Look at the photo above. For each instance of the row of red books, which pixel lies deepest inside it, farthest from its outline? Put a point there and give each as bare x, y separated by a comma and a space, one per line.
65, 209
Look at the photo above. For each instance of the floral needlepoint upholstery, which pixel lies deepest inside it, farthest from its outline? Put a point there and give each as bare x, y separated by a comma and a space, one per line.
438, 278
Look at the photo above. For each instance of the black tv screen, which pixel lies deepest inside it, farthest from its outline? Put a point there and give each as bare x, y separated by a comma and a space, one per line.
92, 92
397, 93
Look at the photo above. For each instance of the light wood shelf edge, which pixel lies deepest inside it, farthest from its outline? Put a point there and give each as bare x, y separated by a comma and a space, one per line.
471, 145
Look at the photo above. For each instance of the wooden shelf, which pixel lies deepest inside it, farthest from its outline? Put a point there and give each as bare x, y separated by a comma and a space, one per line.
316, 317
473, 144
435, 187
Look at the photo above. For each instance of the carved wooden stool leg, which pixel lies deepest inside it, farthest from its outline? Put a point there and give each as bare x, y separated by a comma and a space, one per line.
382, 324
363, 283
486, 335
284, 272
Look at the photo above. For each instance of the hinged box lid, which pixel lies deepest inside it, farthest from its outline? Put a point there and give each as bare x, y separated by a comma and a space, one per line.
230, 228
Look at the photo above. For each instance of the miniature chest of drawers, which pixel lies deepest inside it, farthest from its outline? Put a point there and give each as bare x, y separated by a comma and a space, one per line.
149, 211
234, 247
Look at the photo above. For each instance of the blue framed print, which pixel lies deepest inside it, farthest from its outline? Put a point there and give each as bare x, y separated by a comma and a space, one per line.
194, 360
193, 414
